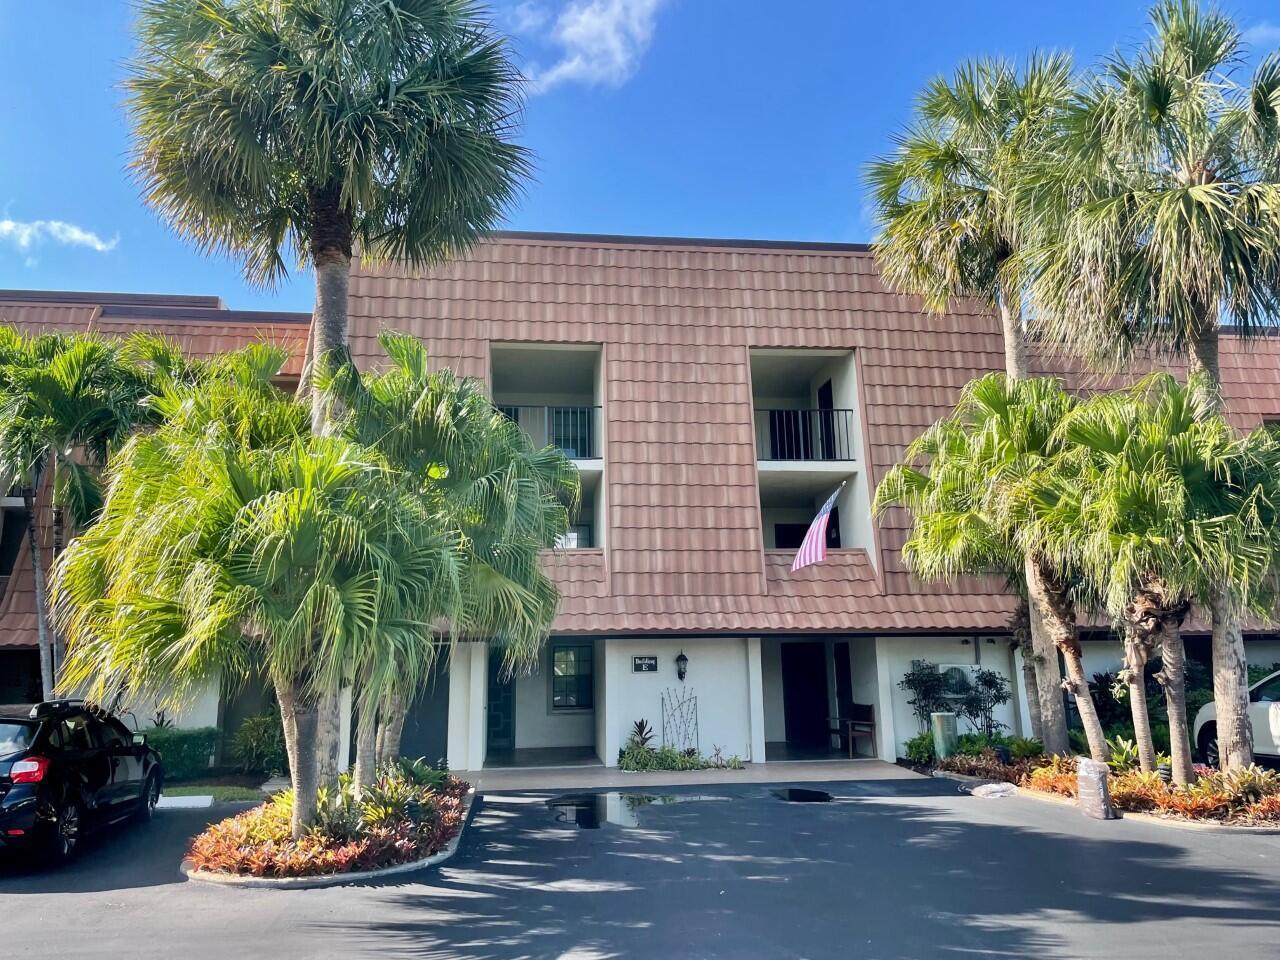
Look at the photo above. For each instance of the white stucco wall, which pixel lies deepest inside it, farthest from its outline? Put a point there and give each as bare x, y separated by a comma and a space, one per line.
199, 708
898, 652
468, 691
719, 675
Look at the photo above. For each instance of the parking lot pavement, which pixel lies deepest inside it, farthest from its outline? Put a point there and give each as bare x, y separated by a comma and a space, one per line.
892, 869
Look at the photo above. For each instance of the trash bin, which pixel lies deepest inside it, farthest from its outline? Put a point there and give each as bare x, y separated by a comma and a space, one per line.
944, 734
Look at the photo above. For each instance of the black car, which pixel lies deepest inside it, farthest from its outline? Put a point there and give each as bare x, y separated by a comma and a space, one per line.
67, 768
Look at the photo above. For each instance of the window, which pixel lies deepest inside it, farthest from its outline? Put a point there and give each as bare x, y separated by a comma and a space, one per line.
790, 536
72, 734
571, 679
1268, 692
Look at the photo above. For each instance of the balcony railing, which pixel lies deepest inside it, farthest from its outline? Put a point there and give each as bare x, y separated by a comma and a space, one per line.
575, 430
805, 434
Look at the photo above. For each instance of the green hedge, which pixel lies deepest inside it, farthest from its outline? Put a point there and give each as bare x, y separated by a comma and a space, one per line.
184, 753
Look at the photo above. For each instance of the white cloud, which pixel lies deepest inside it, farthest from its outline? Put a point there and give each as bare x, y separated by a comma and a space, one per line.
1263, 34
529, 17
601, 43
25, 235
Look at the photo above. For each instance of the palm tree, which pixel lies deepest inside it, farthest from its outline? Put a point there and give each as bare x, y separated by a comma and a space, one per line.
964, 480
1154, 217
505, 500
65, 401
308, 129
1151, 498
950, 230
233, 538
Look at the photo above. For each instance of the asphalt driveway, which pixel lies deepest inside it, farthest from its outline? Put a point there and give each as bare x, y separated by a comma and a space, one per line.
890, 869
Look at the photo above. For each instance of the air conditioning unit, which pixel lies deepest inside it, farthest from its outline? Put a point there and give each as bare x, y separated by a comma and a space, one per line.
959, 677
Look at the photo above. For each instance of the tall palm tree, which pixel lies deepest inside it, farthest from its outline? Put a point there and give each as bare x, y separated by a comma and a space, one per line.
964, 481
1152, 499
233, 538
504, 499
310, 129
65, 401
950, 230
1154, 216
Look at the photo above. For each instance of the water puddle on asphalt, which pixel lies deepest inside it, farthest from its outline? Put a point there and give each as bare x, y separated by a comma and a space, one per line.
589, 811
799, 795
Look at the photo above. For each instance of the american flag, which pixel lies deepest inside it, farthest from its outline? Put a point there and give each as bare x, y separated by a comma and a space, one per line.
814, 548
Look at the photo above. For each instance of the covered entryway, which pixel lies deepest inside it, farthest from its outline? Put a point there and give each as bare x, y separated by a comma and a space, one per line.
813, 687
545, 718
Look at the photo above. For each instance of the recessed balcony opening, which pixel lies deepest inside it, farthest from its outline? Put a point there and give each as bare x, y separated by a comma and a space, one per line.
586, 530
553, 392
789, 502
804, 404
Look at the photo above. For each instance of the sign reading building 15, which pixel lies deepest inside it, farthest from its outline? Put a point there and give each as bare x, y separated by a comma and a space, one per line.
644, 664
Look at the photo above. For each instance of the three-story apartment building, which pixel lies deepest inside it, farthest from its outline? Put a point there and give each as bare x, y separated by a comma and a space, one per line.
713, 394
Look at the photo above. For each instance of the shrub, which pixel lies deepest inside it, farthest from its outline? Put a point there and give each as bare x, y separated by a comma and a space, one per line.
1268, 808
1260, 671
928, 688
258, 745
988, 766
920, 748
1058, 776
1199, 801
396, 820
185, 754
1024, 748
1124, 754
1137, 790
636, 757
987, 690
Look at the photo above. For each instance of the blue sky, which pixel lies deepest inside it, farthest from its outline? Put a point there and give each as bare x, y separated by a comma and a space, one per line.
728, 118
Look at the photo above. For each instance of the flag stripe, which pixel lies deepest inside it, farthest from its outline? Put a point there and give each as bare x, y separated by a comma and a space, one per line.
813, 549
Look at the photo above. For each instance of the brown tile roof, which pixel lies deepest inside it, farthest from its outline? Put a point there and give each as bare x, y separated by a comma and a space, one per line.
200, 325
676, 319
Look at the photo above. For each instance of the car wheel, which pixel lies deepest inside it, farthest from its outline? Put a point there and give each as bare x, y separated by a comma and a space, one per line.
1209, 744
150, 797
65, 830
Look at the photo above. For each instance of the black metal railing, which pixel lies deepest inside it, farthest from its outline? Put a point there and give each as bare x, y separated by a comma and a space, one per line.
805, 434
575, 430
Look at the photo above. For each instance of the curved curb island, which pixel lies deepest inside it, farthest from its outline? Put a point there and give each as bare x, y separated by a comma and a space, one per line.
335, 879
1208, 826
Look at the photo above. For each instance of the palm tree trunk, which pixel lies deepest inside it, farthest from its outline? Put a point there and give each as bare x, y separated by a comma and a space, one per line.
42, 597
390, 726
328, 735
331, 257
1135, 668
366, 746
300, 716
1053, 718
1015, 338
1079, 685
1230, 686
1173, 667
1230, 663
1020, 625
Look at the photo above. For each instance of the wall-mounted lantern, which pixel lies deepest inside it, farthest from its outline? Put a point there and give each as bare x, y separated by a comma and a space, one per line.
682, 665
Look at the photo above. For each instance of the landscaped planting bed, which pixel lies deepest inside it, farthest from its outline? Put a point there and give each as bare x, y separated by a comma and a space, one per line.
1249, 796
408, 813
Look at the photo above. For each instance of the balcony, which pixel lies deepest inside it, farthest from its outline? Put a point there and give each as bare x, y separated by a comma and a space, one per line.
575, 430
805, 435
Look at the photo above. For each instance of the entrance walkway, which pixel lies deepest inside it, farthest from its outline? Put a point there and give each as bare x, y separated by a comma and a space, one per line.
575, 778
542, 757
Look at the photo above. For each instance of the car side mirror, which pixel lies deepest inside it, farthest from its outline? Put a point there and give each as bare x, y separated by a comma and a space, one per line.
139, 739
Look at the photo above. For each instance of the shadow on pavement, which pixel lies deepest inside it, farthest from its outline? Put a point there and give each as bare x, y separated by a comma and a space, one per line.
887, 870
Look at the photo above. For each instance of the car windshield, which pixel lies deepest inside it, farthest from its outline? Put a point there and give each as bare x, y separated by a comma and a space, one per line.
15, 737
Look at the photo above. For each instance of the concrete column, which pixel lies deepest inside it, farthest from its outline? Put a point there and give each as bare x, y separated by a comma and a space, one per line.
479, 704
755, 694
611, 742
888, 746
344, 728
458, 751
1022, 707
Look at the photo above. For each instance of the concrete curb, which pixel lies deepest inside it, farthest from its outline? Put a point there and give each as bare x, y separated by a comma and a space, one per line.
336, 879
1045, 797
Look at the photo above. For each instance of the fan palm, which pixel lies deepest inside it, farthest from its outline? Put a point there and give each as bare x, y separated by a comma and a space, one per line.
506, 501
64, 402
270, 129
950, 228
963, 480
1155, 216
231, 539
1156, 499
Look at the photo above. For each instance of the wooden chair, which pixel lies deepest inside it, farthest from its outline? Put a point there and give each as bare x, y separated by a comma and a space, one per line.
855, 720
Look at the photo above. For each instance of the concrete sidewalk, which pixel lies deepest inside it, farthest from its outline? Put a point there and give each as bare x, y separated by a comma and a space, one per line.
574, 778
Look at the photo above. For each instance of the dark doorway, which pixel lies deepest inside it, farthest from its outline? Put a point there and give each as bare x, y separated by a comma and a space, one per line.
826, 422
501, 729
426, 726
804, 693
844, 680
